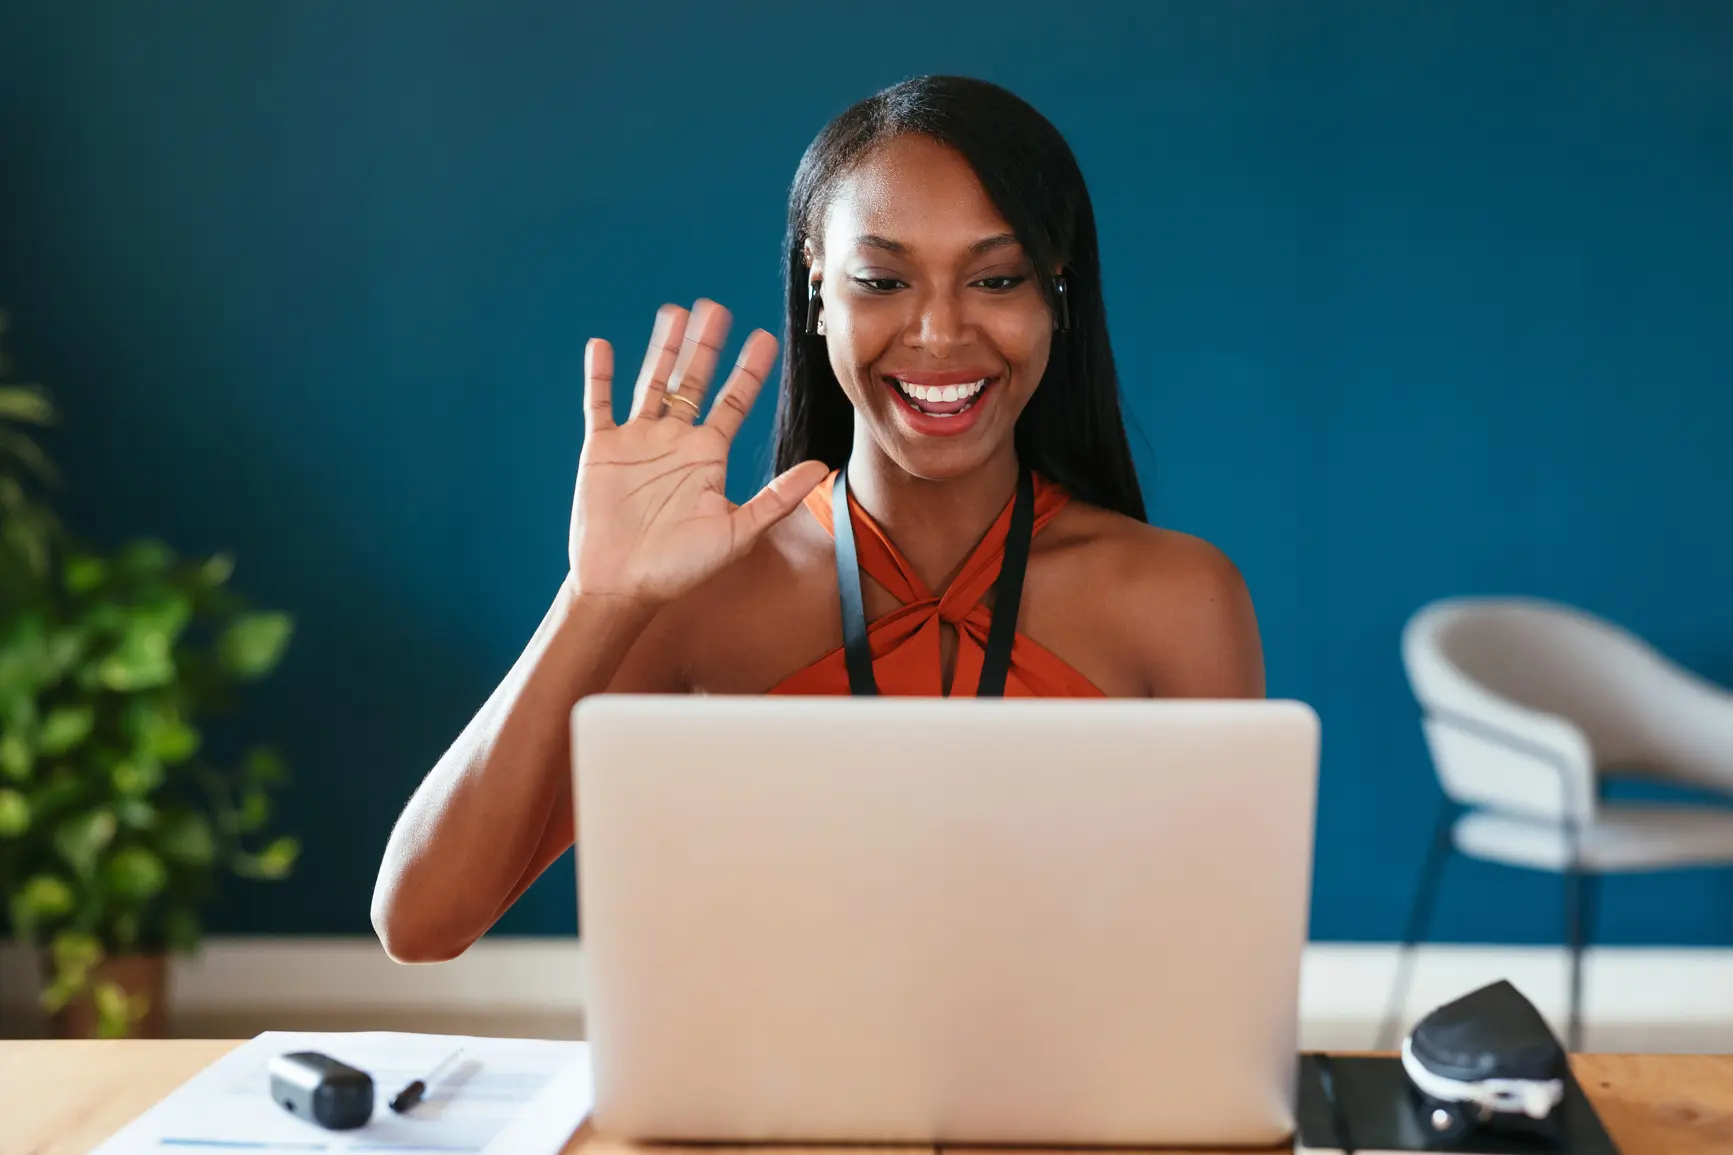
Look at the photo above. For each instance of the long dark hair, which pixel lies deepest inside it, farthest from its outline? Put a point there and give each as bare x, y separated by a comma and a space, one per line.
1071, 430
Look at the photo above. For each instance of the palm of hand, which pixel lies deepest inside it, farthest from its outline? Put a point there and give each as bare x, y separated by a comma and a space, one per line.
651, 517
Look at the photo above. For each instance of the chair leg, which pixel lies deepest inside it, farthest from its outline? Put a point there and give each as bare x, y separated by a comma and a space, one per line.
1419, 920
1581, 898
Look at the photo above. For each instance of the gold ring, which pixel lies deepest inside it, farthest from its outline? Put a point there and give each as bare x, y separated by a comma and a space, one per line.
686, 401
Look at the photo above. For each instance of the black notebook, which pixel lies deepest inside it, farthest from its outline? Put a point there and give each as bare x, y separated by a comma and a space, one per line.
1376, 1106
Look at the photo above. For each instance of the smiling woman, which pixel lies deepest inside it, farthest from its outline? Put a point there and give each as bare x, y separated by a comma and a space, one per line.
954, 511
922, 274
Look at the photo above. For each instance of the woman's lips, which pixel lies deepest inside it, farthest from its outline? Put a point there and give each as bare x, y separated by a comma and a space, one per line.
941, 404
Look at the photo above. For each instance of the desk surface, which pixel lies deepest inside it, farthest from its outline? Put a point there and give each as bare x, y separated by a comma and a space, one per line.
63, 1098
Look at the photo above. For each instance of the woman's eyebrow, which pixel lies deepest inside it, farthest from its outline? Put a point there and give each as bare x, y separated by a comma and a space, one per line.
985, 244
874, 241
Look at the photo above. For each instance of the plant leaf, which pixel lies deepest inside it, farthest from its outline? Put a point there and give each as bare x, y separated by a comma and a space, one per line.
28, 454
165, 613
275, 861
185, 837
217, 569
136, 777
28, 541
253, 643
26, 404
74, 950
17, 711
23, 651
136, 873
41, 899
14, 814
16, 759
142, 558
117, 1014
170, 740
64, 728
72, 956
64, 650
80, 839
141, 662
263, 766
135, 813
82, 573
255, 811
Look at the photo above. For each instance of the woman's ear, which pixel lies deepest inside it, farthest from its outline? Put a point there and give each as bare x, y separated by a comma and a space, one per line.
808, 252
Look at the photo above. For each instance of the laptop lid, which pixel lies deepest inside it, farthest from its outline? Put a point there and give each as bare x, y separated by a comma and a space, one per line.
929, 920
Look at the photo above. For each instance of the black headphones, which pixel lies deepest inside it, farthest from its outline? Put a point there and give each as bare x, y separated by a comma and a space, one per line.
1061, 306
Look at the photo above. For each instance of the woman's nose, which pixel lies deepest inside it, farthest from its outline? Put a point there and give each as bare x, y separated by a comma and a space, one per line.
940, 325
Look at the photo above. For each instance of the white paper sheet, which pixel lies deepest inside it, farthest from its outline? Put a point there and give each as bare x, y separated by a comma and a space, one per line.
500, 1096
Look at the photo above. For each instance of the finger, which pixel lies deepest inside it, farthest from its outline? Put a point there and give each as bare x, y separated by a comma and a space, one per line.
776, 501
751, 370
598, 385
659, 360
698, 356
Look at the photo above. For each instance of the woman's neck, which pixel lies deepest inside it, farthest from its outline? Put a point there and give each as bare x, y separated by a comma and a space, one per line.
935, 524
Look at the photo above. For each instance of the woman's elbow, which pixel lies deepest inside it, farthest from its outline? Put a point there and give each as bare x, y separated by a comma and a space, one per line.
407, 939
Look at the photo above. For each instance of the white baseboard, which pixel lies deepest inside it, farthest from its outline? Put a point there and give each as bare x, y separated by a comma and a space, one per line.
242, 975
1343, 986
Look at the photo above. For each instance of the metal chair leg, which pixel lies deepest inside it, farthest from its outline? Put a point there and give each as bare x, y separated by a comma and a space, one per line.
1419, 920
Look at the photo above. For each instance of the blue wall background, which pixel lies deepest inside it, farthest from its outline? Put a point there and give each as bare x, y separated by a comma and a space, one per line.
1411, 299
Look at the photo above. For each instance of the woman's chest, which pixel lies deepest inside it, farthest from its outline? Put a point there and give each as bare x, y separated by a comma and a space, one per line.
751, 642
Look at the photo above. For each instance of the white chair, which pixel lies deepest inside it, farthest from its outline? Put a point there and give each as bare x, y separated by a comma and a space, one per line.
1527, 706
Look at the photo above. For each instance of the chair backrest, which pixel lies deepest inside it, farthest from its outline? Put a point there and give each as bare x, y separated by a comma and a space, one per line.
1511, 690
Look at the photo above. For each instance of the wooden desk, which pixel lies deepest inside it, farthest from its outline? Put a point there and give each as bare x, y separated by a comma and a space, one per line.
63, 1098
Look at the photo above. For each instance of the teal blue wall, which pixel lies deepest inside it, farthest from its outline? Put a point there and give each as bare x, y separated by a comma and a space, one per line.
1411, 299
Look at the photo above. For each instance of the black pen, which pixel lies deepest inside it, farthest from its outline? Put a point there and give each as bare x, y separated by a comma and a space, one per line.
411, 1095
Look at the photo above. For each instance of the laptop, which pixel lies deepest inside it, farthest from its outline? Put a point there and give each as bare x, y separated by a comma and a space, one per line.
926, 920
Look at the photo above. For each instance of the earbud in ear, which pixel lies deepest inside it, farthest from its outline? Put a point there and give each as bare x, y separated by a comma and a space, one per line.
813, 302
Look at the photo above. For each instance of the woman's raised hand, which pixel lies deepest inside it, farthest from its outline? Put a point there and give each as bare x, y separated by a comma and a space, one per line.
651, 518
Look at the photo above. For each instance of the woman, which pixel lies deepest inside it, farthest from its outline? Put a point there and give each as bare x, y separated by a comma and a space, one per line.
947, 350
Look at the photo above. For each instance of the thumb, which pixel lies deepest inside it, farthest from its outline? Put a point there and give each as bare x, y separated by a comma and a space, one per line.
776, 500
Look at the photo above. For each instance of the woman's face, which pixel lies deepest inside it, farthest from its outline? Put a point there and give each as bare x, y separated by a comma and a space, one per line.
935, 323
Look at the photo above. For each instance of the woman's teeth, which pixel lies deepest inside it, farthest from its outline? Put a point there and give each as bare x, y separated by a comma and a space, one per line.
942, 393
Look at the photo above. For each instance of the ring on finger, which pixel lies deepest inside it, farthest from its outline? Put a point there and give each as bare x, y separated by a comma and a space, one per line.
670, 398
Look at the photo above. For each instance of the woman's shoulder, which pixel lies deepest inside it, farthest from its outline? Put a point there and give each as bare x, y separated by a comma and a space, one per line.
1180, 600
1124, 552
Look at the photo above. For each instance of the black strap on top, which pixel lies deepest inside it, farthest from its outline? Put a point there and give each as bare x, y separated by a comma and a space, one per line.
1007, 593
854, 624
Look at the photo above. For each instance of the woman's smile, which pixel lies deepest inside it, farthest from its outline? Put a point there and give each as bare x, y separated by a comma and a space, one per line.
943, 403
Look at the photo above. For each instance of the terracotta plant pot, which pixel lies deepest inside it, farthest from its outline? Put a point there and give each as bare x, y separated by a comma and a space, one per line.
145, 974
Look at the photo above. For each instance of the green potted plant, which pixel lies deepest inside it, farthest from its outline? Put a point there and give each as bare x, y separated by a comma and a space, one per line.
115, 822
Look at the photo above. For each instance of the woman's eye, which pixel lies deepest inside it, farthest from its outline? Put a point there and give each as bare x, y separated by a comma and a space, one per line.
1000, 284
879, 284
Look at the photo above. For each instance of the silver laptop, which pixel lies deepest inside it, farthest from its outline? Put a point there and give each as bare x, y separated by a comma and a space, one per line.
834, 920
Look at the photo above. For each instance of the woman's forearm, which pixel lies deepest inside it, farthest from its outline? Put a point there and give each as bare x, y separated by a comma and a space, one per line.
471, 835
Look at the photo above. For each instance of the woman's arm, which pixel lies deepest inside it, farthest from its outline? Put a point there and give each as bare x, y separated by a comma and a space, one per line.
1199, 631
497, 808
651, 521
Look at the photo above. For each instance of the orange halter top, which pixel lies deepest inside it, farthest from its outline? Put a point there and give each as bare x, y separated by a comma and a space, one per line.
905, 642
